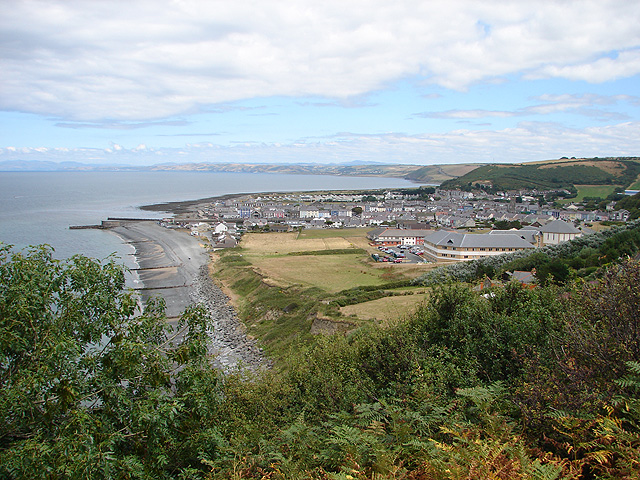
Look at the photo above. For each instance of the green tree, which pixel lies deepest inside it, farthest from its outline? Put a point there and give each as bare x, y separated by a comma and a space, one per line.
89, 385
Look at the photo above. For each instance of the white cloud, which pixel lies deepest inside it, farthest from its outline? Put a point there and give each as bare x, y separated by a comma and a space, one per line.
466, 114
148, 59
590, 105
528, 141
626, 64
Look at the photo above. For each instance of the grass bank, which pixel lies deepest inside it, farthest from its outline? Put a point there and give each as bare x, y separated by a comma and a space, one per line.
289, 287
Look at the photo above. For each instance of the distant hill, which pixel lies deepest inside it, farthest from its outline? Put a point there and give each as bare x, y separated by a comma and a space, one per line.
553, 174
563, 173
431, 174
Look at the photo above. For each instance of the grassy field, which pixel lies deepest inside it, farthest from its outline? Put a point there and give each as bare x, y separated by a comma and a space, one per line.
331, 273
308, 234
387, 309
285, 299
269, 255
277, 244
601, 191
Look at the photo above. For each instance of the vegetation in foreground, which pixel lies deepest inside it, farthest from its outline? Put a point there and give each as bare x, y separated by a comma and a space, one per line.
520, 383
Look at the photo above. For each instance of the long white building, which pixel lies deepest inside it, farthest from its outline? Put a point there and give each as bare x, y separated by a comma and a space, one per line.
443, 245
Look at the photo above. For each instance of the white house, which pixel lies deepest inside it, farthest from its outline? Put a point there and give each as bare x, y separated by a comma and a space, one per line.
219, 228
558, 231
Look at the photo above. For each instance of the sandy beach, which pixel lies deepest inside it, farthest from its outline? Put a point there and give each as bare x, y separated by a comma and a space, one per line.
173, 265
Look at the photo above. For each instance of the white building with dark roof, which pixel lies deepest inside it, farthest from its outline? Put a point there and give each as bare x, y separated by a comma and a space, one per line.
443, 245
396, 236
558, 231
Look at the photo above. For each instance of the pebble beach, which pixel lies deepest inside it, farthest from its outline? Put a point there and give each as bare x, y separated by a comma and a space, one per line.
174, 265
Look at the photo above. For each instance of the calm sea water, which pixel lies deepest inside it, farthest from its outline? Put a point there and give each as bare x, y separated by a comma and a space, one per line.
38, 207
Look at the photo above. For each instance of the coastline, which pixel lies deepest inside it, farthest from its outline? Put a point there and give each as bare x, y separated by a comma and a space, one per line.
174, 265
187, 206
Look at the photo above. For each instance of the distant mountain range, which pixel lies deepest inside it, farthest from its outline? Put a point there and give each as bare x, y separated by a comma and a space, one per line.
433, 174
561, 173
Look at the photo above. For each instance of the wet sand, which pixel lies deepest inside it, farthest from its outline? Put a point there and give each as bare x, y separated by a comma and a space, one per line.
168, 261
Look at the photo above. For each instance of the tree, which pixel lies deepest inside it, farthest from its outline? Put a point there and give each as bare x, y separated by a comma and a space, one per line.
89, 385
357, 211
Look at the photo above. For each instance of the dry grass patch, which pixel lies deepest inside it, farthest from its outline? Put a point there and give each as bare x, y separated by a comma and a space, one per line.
270, 243
610, 166
385, 309
331, 233
284, 243
457, 170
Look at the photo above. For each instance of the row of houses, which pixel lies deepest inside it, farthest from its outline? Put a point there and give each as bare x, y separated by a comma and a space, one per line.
451, 212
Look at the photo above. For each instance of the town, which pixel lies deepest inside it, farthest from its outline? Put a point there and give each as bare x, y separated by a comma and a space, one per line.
440, 225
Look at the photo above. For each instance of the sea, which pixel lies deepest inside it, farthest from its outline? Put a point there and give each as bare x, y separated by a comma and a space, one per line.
38, 208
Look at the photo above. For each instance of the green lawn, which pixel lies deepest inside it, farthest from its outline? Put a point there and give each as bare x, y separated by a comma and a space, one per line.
601, 191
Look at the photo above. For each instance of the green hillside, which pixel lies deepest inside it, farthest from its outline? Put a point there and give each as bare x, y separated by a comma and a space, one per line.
564, 173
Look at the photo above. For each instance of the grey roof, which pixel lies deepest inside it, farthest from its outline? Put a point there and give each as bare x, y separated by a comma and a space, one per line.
559, 226
375, 232
397, 232
477, 240
526, 234
523, 276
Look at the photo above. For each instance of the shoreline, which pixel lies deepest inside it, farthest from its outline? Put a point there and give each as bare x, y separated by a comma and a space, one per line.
174, 266
184, 206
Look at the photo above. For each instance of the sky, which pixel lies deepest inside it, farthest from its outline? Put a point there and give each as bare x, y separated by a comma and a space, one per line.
305, 81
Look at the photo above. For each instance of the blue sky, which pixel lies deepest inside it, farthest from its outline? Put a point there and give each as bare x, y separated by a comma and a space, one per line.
147, 82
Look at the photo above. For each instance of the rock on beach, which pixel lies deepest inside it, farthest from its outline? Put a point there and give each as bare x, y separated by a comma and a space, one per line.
174, 265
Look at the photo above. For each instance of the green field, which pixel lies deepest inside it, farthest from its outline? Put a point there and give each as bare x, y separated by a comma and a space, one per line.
602, 191
388, 309
284, 290
270, 255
